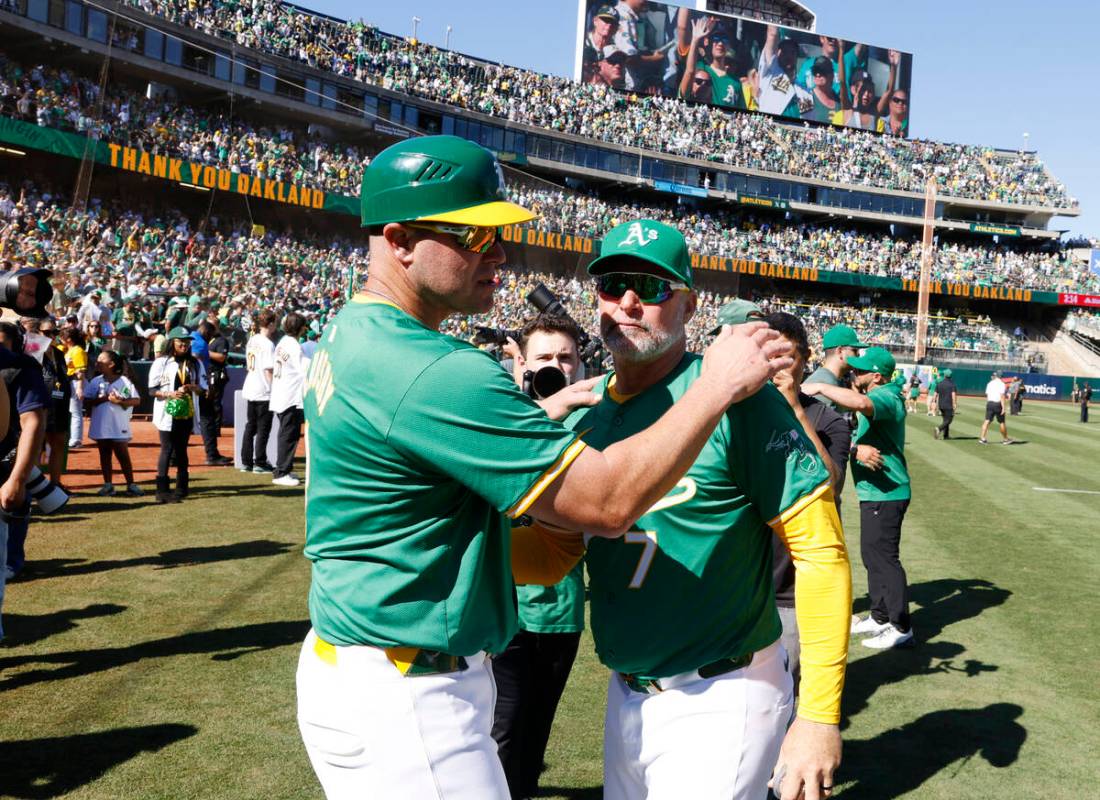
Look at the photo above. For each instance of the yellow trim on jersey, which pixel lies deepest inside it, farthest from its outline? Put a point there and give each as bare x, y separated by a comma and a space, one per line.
543, 554
822, 600
800, 504
618, 397
402, 657
548, 477
363, 297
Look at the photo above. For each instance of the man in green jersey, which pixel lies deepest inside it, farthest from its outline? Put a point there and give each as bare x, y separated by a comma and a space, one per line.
839, 343
420, 449
682, 606
883, 490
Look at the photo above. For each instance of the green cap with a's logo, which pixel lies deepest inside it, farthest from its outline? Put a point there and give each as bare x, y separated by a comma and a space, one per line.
737, 312
645, 247
840, 336
874, 359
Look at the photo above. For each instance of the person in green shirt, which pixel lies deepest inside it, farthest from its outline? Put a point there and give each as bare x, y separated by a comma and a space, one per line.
683, 606
839, 343
882, 485
422, 453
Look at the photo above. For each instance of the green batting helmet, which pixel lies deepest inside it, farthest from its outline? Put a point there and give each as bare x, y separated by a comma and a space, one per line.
437, 179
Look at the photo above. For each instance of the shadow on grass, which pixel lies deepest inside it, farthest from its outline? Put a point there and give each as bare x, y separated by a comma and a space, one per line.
900, 760
24, 629
223, 644
167, 559
52, 767
576, 793
940, 603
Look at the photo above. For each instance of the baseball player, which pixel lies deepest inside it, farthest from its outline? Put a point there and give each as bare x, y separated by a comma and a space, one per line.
683, 609
420, 450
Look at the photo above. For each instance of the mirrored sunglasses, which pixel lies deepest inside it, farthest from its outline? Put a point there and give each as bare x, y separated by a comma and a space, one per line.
649, 288
473, 238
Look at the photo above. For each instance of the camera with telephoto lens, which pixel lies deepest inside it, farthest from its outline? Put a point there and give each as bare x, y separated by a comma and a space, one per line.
48, 496
26, 291
548, 303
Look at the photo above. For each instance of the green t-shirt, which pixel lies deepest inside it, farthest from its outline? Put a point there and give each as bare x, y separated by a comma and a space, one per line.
823, 375
691, 583
553, 609
420, 445
725, 90
886, 432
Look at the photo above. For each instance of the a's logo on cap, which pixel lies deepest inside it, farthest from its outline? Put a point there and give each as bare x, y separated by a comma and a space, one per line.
638, 235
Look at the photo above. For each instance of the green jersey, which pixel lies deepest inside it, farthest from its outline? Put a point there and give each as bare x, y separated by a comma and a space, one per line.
692, 582
886, 432
420, 447
823, 375
725, 90
554, 609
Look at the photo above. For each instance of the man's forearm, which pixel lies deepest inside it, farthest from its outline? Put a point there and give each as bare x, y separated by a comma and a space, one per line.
847, 398
32, 435
604, 493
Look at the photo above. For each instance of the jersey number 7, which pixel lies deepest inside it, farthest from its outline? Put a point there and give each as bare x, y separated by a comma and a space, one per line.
648, 540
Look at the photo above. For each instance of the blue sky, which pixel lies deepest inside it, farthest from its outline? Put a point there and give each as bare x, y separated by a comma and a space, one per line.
984, 72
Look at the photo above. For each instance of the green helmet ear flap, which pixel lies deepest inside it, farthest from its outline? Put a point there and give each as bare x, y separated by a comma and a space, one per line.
437, 179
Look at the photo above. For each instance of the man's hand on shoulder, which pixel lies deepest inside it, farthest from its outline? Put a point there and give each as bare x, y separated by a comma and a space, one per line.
807, 760
576, 395
743, 358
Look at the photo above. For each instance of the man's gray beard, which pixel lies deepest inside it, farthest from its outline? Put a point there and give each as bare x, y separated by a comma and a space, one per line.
627, 350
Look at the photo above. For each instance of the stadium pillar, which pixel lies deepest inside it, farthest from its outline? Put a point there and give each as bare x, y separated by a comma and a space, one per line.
927, 252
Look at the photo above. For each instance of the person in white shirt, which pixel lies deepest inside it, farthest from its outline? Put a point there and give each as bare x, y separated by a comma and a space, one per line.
175, 379
996, 395
287, 385
259, 361
112, 397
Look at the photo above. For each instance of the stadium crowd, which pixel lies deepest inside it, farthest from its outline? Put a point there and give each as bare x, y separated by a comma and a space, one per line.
360, 51
58, 98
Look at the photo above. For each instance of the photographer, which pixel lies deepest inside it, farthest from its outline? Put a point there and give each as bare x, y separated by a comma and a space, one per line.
531, 672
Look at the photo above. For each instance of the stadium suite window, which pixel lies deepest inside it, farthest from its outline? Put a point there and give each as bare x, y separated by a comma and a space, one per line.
222, 67
173, 51
154, 44
97, 26
313, 91
39, 10
74, 18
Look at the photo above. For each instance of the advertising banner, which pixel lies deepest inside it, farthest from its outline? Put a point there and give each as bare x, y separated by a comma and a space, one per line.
1074, 299
743, 64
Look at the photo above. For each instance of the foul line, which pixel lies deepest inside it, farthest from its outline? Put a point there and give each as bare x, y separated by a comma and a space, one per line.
1067, 491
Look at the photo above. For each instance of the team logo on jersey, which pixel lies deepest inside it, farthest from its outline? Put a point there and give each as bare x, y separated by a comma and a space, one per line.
636, 234
683, 491
794, 448
781, 83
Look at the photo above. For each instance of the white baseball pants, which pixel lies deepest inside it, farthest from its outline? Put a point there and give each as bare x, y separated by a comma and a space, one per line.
372, 732
702, 737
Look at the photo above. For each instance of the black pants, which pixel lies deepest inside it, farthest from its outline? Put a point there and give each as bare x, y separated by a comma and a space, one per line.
948, 418
210, 423
258, 429
290, 431
173, 444
530, 676
880, 546
1084, 412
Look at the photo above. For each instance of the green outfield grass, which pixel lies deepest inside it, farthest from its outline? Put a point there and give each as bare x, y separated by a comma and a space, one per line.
151, 651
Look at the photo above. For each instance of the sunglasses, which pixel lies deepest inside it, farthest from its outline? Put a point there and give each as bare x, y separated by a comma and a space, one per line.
648, 288
902, 100
700, 81
473, 238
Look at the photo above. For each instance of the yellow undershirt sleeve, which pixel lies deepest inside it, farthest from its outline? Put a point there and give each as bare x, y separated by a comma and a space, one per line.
822, 600
543, 556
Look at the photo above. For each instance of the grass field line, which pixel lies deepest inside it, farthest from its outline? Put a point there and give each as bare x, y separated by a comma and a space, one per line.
111, 690
1067, 491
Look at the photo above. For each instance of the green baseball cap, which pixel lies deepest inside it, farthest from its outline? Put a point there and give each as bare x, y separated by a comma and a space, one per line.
437, 179
737, 312
874, 359
607, 12
840, 336
179, 332
660, 245
947, 373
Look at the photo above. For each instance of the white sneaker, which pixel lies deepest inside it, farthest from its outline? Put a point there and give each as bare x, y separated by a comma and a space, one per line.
891, 637
286, 480
866, 626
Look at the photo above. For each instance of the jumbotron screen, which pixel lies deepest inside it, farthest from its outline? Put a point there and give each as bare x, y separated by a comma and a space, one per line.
652, 48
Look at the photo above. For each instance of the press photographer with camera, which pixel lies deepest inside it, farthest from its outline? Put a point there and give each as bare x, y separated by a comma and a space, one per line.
532, 671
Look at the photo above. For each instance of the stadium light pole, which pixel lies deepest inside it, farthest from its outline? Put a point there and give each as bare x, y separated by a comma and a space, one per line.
447, 38
416, 21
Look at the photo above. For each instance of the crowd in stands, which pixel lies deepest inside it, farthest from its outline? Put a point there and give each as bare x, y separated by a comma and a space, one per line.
143, 262
359, 51
58, 98
1084, 322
